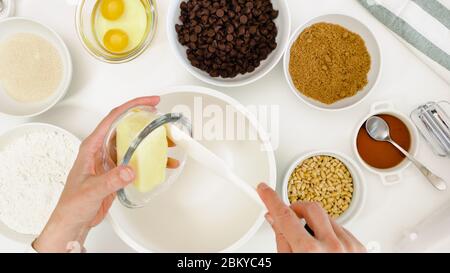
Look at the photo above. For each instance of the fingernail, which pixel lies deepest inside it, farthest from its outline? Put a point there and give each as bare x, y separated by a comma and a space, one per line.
262, 186
127, 174
269, 218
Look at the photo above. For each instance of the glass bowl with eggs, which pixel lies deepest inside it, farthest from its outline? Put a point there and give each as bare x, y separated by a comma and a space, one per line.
144, 139
116, 31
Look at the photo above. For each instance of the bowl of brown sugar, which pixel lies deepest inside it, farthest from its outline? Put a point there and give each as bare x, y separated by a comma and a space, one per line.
333, 62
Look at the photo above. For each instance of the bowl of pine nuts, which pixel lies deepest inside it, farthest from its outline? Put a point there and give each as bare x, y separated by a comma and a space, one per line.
331, 179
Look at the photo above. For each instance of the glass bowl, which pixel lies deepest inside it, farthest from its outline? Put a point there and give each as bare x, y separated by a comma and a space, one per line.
84, 20
129, 196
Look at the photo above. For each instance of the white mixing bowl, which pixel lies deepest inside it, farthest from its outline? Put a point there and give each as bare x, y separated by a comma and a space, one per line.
202, 212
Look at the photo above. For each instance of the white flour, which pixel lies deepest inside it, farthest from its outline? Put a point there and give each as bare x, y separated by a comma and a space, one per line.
33, 171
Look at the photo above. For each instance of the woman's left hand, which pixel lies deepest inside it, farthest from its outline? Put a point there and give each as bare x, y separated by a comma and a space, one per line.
89, 191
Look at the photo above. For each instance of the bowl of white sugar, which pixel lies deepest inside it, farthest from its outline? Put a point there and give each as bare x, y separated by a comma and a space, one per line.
35, 67
35, 160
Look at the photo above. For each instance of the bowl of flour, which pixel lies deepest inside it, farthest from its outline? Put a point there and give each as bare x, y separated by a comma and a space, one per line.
35, 160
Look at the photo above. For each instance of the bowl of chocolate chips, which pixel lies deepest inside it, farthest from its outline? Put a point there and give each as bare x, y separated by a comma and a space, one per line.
229, 43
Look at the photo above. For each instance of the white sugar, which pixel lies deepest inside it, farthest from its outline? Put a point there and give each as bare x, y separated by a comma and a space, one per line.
31, 68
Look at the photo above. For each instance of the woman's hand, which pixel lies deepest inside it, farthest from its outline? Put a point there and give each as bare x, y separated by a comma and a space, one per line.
89, 192
292, 236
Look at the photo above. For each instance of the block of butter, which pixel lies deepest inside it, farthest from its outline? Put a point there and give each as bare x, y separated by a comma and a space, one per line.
150, 159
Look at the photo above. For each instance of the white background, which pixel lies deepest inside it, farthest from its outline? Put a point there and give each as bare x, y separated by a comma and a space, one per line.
97, 87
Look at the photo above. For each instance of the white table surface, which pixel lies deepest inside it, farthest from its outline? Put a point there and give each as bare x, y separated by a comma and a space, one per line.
97, 87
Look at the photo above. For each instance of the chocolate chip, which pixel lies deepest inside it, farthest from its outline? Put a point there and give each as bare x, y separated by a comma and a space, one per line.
241, 30
211, 49
197, 29
243, 19
193, 38
274, 14
220, 13
230, 29
186, 37
211, 33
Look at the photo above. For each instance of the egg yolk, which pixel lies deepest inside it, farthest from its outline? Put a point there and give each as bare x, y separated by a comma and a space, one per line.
115, 40
112, 9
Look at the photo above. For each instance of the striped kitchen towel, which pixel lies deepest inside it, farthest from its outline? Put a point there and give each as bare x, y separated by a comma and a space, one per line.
424, 26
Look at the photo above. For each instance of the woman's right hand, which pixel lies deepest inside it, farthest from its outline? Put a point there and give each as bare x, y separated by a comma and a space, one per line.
291, 234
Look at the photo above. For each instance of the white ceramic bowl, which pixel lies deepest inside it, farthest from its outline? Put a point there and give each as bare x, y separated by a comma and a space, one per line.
6, 138
359, 189
373, 48
11, 107
202, 212
283, 23
393, 175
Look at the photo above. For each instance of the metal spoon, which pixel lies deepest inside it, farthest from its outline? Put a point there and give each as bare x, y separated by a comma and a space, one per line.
378, 129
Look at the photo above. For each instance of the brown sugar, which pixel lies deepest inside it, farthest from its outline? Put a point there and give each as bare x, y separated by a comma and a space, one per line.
329, 63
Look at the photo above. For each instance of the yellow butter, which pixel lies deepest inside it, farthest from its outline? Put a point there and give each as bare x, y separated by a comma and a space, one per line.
150, 159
